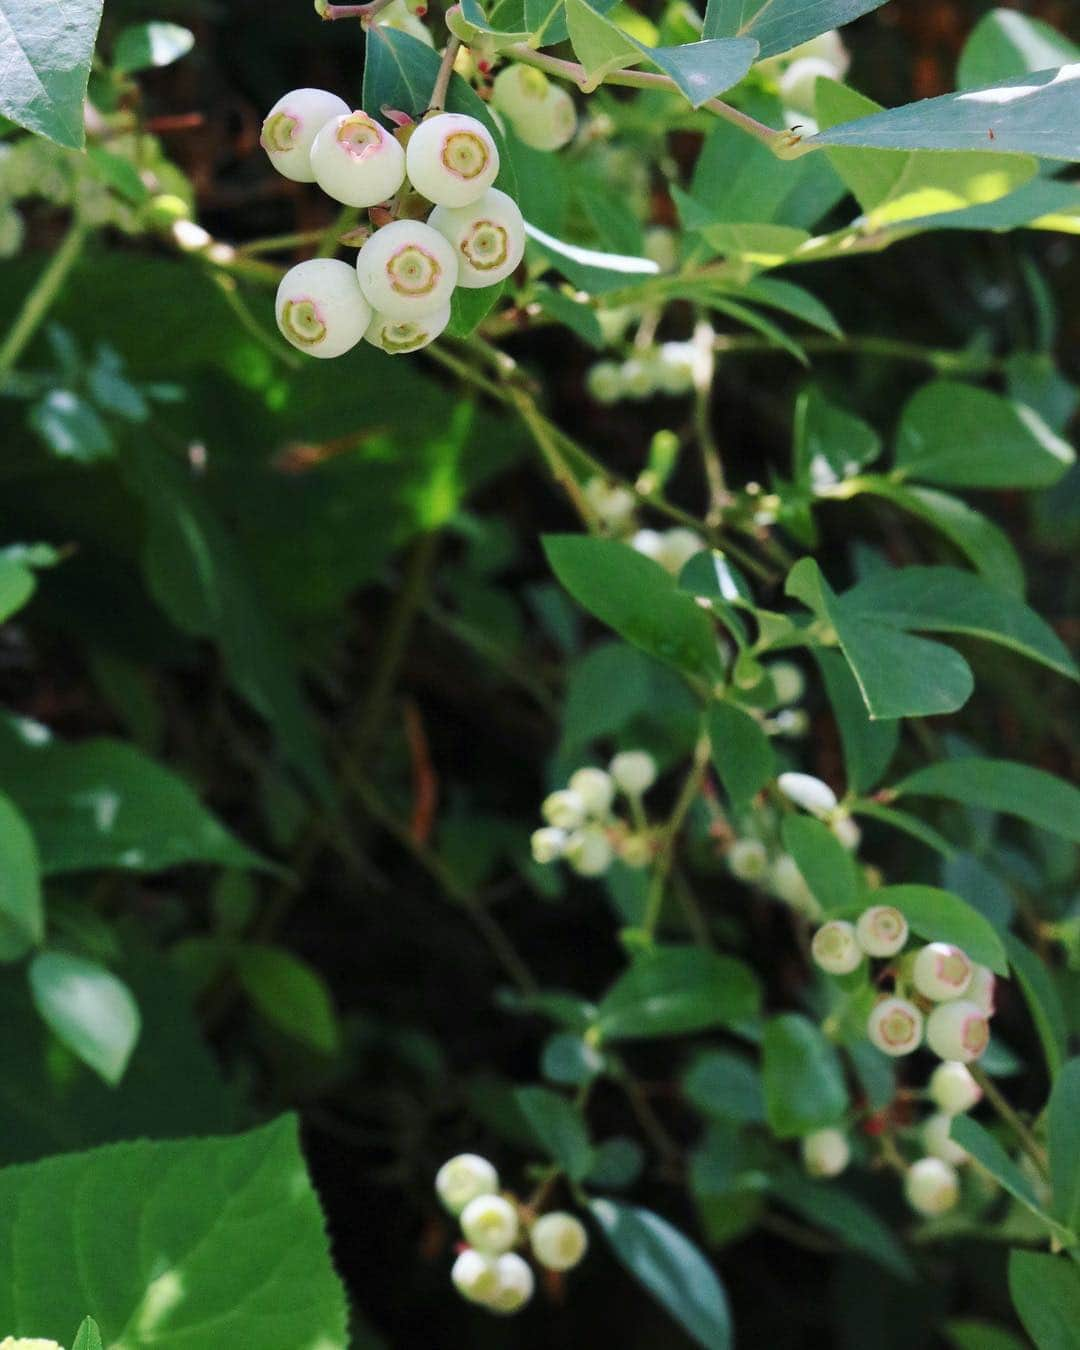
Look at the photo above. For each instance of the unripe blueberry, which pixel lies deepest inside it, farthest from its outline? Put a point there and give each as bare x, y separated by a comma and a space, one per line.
679, 546
953, 1089
356, 161
847, 831
674, 368
559, 1241
397, 337
548, 844
290, 128
614, 504
662, 248
639, 376
793, 722
564, 809
798, 84
475, 1276
407, 270
595, 788
937, 1141
463, 1178
941, 971
895, 1026
932, 1186
488, 237
541, 113
748, 859
789, 884
958, 1030
634, 771
983, 988
826, 1153
882, 930
452, 159
649, 543
589, 851
604, 381
808, 792
787, 681
490, 1224
515, 1286
320, 308
835, 948
637, 850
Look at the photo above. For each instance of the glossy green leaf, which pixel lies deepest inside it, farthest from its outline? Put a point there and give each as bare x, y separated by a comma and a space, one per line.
45, 54
598, 44
91, 1011
702, 70
985, 1149
588, 268
831, 444
725, 1087
1005, 43
470, 307
671, 1268
22, 911
826, 1205
675, 990
1001, 785
791, 299
868, 746
1046, 1292
71, 428
826, 865
146, 46
637, 598
559, 1129
957, 435
1044, 1003
88, 1336
803, 1077
202, 1233
580, 319
779, 25
969, 1333
289, 994
909, 825
940, 916
741, 753
1063, 1138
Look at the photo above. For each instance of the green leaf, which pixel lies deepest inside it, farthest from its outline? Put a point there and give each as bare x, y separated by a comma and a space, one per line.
826, 865
985, 1149
559, 1129
791, 299
868, 746
88, 1336
569, 1059
45, 54
761, 245
671, 1268
1046, 1292
831, 444
618, 1163
909, 825
957, 435
71, 428
1005, 43
839, 1212
940, 916
1044, 1003
102, 803
969, 1333
22, 911
1063, 1137
580, 319
725, 1087
202, 1233
674, 990
780, 25
1001, 785
89, 1010
17, 585
470, 307
803, 1077
588, 268
146, 46
1032, 114
741, 753
636, 597
289, 994
702, 70
598, 44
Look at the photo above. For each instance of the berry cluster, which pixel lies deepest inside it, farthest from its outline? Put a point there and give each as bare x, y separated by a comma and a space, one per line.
667, 368
581, 826
488, 1270
398, 296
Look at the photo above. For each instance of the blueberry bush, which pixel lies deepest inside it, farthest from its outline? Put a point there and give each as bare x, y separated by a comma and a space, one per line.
571, 834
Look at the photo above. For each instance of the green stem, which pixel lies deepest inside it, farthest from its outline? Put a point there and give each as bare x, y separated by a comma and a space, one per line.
670, 837
1025, 1138
42, 297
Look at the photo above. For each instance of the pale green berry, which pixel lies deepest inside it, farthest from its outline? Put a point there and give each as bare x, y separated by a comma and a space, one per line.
564, 809
941, 971
932, 1187
542, 114
451, 159
638, 375
881, 930
397, 15
662, 248
895, 1026
798, 84
356, 161
463, 1178
475, 1276
808, 792
490, 1224
634, 771
397, 337
320, 308
835, 949
675, 366
595, 788
488, 237
614, 504
938, 1142
792, 722
953, 1089
748, 859
407, 270
982, 989
958, 1030
548, 845
636, 850
788, 681
826, 1153
589, 851
649, 543
290, 128
515, 1286
604, 381
559, 1241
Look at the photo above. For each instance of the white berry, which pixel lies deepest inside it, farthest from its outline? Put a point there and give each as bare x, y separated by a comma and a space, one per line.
356, 161
826, 1153
679, 546
396, 337
548, 844
558, 1240
748, 859
490, 1224
613, 503
475, 1276
589, 851
932, 1186
452, 159
463, 1178
515, 1286
320, 308
291, 126
604, 382
541, 113
882, 930
808, 792
941, 971
488, 237
895, 1026
788, 681
407, 270
835, 948
983, 988
564, 809
938, 1142
958, 1030
634, 771
595, 788
953, 1089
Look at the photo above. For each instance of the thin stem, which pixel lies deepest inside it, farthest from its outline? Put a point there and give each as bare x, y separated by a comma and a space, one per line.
364, 12
437, 102
42, 297
704, 370
1026, 1139
279, 243
670, 836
